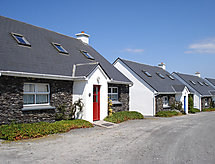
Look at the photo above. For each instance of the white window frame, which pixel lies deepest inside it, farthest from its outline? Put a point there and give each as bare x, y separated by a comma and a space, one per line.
24, 39
165, 104
113, 93
37, 93
206, 102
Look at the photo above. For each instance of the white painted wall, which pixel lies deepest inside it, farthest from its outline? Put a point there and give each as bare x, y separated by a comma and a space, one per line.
82, 89
197, 101
180, 97
141, 94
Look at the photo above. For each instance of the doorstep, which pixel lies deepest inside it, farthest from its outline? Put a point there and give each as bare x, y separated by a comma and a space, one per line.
104, 124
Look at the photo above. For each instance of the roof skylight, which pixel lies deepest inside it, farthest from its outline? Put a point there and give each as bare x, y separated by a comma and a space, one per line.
205, 83
20, 39
87, 55
200, 83
160, 75
147, 73
171, 77
192, 82
60, 48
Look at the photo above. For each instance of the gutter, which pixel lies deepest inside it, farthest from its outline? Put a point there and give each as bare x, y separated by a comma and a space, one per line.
43, 76
120, 82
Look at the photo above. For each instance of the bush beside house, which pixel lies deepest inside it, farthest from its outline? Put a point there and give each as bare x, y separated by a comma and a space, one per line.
123, 116
167, 113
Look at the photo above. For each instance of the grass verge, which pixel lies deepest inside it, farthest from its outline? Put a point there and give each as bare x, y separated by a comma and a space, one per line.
167, 114
15, 132
208, 110
193, 110
123, 116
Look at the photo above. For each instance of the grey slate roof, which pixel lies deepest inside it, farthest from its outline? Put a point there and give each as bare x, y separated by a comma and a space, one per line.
42, 57
202, 90
212, 81
156, 82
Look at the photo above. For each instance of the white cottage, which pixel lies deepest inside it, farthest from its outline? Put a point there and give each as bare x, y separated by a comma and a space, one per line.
42, 71
201, 91
154, 89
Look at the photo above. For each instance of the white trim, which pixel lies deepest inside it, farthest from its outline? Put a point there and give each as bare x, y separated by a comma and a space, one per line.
36, 93
42, 76
111, 93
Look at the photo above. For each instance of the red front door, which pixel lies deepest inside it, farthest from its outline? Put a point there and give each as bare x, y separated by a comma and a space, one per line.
96, 102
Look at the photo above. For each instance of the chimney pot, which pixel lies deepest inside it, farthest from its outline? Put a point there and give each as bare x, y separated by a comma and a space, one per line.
198, 74
162, 65
83, 37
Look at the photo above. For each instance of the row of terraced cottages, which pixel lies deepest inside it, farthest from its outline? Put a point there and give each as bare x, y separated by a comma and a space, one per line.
42, 71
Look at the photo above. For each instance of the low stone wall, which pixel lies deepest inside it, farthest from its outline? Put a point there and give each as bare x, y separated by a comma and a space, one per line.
159, 102
11, 100
123, 96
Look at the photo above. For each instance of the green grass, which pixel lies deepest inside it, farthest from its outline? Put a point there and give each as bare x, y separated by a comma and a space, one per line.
167, 114
208, 110
123, 116
15, 132
193, 110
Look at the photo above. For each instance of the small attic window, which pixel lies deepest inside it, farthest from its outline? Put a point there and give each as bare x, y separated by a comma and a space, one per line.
192, 82
171, 77
20, 39
205, 83
87, 55
200, 83
160, 75
60, 48
147, 73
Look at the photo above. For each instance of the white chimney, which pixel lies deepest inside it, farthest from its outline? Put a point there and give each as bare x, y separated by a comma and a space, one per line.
162, 65
83, 37
198, 74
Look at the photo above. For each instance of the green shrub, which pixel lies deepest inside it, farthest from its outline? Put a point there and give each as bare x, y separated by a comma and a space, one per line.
208, 110
167, 113
193, 110
123, 116
190, 102
14, 131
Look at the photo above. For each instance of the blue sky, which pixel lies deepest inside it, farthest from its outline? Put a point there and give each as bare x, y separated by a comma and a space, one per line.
180, 33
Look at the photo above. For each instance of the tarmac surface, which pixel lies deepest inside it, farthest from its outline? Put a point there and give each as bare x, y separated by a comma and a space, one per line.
186, 139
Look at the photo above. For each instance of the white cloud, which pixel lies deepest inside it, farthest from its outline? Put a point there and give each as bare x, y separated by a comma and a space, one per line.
204, 47
133, 50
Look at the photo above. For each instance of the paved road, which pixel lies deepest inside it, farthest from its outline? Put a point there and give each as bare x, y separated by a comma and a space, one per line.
186, 139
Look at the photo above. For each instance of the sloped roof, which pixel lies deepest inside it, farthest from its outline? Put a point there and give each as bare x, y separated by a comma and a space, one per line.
42, 57
204, 90
212, 81
157, 83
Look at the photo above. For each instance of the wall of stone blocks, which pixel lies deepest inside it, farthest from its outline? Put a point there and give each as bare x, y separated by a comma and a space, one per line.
123, 97
11, 100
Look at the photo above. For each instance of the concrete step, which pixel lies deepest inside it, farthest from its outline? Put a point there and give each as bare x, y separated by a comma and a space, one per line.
104, 124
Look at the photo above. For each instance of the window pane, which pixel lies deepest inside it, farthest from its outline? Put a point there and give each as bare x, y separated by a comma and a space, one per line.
42, 88
28, 99
109, 90
42, 99
20, 39
29, 88
114, 97
115, 90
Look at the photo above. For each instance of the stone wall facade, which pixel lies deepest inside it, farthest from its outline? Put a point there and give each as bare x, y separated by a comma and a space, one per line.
11, 100
203, 100
123, 97
159, 102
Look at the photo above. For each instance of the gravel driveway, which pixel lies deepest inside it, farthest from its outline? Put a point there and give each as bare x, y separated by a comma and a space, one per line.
185, 139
